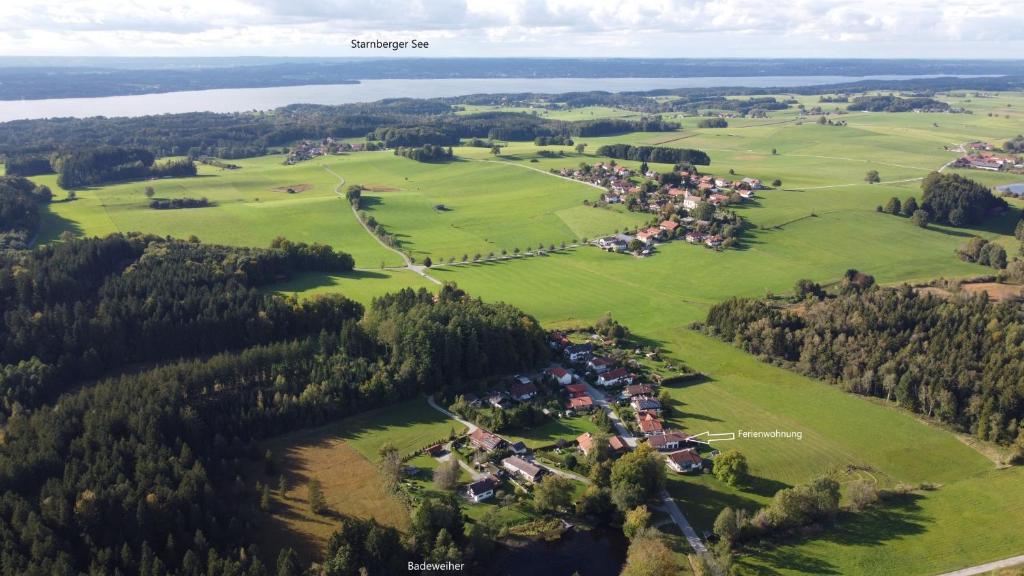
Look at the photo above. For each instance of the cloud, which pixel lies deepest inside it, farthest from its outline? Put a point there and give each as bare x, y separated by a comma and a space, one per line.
652, 28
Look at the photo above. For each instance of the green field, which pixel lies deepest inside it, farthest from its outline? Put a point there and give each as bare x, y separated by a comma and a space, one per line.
818, 224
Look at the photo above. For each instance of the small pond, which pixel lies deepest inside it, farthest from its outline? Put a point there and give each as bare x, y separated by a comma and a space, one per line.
598, 552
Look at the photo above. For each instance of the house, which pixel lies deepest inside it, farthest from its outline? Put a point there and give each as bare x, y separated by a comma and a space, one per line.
481, 490
518, 448
746, 194
576, 390
484, 440
754, 183
499, 400
717, 199
694, 237
669, 226
615, 377
579, 352
674, 192
585, 442
648, 423
684, 460
670, 441
649, 235
713, 241
600, 364
580, 404
435, 450
523, 392
522, 468
613, 243
617, 444
645, 404
638, 390
561, 375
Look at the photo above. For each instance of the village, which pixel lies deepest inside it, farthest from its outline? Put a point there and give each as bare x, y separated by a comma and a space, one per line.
597, 377
981, 156
691, 206
309, 149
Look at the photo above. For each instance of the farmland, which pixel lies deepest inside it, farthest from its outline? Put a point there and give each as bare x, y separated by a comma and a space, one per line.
818, 224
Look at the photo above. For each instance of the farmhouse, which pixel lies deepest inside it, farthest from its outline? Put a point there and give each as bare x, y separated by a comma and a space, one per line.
561, 375
523, 469
615, 377
481, 490
669, 441
579, 352
484, 440
669, 226
684, 460
523, 392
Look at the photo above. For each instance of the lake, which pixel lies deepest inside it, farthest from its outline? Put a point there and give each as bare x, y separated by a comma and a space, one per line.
597, 552
1016, 189
243, 99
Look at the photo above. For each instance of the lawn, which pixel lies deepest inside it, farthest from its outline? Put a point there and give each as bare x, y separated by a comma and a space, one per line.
359, 285
567, 429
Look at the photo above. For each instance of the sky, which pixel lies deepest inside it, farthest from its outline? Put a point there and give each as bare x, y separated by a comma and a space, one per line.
525, 28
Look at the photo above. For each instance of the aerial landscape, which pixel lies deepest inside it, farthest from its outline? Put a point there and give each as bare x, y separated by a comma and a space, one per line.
701, 287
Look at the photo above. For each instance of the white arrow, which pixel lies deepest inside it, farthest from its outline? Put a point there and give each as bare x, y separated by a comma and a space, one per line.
716, 437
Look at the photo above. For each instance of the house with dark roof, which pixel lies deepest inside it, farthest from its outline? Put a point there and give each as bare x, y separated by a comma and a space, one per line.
615, 377
579, 352
684, 461
575, 390
481, 490
522, 468
637, 390
523, 392
645, 404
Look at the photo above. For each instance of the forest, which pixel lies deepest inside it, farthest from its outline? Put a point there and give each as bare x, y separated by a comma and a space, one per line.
20, 199
81, 309
959, 360
655, 154
953, 199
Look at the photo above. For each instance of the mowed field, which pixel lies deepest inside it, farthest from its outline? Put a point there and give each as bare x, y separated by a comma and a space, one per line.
343, 457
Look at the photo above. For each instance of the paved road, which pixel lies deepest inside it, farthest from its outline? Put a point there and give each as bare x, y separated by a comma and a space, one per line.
983, 568
677, 515
602, 400
469, 425
421, 270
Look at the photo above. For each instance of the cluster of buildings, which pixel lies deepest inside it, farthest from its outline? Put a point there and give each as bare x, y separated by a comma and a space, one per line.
309, 149
522, 389
980, 157
519, 466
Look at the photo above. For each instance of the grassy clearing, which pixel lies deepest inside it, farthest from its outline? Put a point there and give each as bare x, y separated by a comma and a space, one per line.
351, 487
359, 285
567, 429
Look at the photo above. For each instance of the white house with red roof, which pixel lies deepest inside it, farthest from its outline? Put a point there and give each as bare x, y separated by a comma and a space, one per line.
561, 375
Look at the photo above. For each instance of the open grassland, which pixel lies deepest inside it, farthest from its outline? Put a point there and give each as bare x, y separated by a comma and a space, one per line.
251, 207
351, 487
567, 429
360, 285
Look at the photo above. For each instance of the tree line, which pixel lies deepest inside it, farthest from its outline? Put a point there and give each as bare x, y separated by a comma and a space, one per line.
425, 153
896, 104
655, 154
959, 360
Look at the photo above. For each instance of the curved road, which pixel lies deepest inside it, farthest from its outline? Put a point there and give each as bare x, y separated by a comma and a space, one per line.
421, 270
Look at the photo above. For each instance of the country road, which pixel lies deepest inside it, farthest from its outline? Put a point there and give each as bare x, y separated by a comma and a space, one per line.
421, 270
986, 568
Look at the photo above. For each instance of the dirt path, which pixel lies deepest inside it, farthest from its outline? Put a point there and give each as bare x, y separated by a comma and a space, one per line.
421, 270
985, 568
